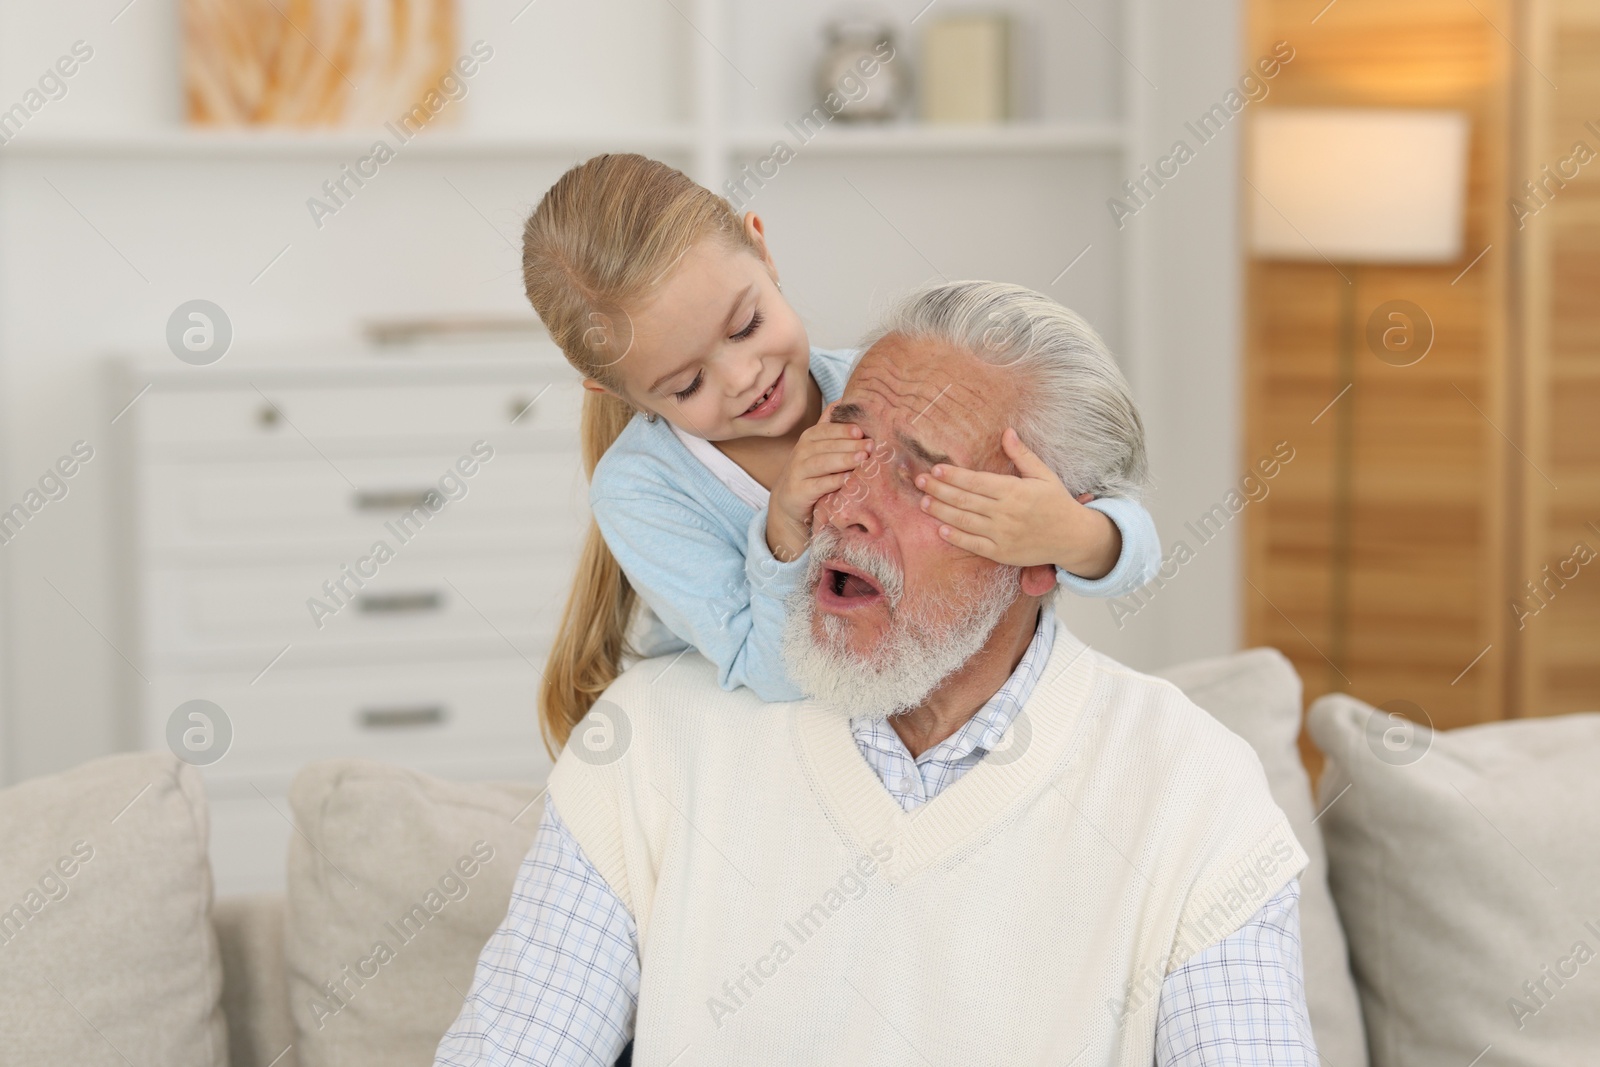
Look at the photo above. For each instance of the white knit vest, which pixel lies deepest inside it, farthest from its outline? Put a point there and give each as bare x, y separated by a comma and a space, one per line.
789, 912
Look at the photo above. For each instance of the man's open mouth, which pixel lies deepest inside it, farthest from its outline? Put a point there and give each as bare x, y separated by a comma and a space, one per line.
842, 587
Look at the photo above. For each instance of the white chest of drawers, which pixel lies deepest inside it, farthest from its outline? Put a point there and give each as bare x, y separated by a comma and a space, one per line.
356, 556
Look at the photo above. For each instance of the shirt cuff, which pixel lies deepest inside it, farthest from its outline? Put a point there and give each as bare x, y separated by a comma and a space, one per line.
1133, 567
769, 575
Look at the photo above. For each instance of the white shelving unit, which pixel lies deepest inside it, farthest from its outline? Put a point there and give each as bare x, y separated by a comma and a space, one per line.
719, 120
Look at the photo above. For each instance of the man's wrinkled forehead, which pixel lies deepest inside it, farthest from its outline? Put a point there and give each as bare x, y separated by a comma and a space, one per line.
939, 403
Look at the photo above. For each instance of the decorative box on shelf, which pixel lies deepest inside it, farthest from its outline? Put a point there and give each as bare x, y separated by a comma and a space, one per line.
344, 556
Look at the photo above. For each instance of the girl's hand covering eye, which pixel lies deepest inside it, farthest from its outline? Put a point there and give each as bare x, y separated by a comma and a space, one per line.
1020, 520
819, 464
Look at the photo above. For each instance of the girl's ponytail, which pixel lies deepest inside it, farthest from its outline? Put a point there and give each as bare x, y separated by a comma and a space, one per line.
604, 235
589, 646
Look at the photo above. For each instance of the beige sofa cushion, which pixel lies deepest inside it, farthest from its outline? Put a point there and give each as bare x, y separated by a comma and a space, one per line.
1257, 695
396, 879
107, 956
1465, 864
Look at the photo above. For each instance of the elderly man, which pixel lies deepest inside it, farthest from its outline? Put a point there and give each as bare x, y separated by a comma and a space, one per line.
978, 842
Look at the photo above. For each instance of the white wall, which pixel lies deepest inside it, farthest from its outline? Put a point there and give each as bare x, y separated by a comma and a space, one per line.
97, 249
1193, 386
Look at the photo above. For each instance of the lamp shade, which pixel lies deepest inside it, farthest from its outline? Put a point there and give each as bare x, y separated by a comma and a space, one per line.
1358, 185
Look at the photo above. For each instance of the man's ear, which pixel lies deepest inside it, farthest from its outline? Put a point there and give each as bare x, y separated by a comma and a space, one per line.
1038, 579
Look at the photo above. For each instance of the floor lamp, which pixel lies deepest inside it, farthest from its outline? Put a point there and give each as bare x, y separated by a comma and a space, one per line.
1348, 187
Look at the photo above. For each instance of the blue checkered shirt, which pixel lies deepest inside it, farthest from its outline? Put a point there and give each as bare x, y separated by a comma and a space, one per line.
558, 982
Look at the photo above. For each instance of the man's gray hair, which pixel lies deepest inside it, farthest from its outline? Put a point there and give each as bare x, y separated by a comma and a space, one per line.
1077, 410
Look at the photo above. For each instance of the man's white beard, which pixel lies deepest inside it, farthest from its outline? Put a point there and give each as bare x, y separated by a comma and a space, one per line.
923, 645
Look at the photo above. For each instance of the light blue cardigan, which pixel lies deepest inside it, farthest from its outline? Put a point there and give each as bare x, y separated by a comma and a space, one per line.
698, 555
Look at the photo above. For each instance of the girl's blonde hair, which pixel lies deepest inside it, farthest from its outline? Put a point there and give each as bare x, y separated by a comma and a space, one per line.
605, 234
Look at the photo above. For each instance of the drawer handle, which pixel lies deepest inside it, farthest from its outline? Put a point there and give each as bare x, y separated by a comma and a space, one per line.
392, 499
402, 717
398, 603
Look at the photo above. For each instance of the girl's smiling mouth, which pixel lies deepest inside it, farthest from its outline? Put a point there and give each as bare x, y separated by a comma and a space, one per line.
767, 402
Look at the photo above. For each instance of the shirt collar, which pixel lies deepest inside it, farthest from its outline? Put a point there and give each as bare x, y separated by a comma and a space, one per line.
988, 724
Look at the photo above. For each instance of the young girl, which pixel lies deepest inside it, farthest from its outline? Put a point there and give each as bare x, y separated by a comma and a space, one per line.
706, 442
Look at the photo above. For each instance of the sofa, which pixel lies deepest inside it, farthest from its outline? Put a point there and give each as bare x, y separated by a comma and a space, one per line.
1450, 914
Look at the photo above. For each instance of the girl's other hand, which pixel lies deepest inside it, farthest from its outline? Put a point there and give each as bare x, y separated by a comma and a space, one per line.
1022, 520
